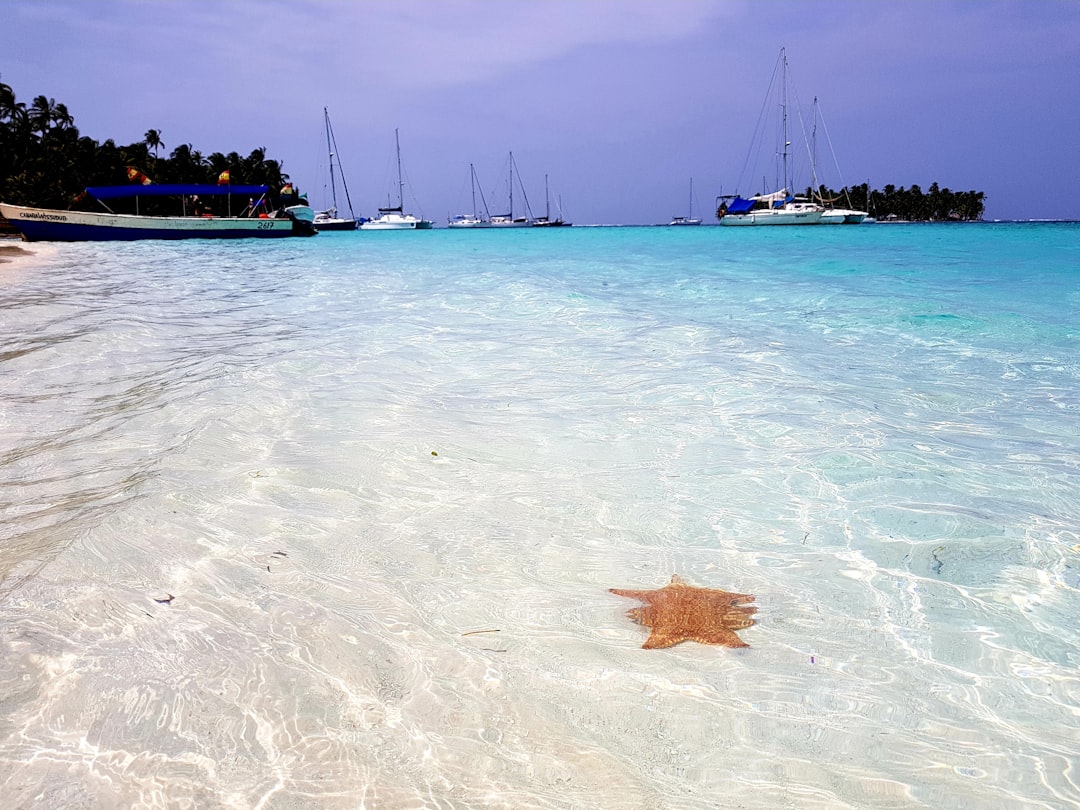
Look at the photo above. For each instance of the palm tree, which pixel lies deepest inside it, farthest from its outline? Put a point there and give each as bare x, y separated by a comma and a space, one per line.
62, 118
9, 108
152, 139
187, 165
42, 114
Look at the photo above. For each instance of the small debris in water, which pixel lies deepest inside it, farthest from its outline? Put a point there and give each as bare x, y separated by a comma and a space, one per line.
938, 562
166, 601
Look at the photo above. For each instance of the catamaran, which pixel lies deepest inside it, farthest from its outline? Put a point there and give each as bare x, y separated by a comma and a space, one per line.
394, 218
832, 215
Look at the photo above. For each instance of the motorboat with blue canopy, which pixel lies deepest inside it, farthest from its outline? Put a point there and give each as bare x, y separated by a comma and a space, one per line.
195, 220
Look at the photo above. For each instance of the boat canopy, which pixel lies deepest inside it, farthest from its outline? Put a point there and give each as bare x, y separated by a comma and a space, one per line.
171, 190
740, 206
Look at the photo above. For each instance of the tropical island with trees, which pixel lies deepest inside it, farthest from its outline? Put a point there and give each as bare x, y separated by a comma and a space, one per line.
46, 163
911, 204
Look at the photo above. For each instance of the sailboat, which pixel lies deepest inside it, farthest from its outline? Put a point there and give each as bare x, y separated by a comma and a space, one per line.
394, 218
508, 220
778, 207
689, 219
329, 220
473, 220
832, 215
546, 221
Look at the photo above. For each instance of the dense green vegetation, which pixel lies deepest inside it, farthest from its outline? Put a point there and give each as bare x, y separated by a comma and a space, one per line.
933, 205
45, 162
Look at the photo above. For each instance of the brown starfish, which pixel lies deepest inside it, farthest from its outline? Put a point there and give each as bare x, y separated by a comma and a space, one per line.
680, 612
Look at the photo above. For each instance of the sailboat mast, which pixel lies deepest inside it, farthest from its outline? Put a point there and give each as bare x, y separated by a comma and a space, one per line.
472, 175
691, 198
783, 107
511, 186
547, 200
400, 182
330, 152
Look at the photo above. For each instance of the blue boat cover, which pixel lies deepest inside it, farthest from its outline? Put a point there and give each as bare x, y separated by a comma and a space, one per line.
170, 190
740, 206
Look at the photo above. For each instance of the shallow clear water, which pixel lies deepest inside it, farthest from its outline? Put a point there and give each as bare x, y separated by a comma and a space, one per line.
387, 480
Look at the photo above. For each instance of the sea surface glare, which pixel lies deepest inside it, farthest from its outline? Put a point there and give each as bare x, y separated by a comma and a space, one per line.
331, 523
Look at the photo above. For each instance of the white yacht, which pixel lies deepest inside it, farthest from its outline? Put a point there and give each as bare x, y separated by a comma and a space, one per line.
394, 218
778, 208
842, 216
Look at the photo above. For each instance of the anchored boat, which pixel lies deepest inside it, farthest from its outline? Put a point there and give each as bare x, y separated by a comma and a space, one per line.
473, 220
394, 218
329, 220
778, 207
255, 221
690, 219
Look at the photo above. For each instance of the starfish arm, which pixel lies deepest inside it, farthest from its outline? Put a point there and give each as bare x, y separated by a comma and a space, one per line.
738, 618
658, 641
720, 635
642, 596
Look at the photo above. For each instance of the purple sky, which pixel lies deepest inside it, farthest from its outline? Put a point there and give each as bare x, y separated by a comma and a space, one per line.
620, 103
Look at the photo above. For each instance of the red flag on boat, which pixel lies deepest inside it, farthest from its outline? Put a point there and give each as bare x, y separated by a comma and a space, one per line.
135, 176
223, 178
286, 190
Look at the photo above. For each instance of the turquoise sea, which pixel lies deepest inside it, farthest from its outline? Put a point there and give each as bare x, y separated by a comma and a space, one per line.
331, 523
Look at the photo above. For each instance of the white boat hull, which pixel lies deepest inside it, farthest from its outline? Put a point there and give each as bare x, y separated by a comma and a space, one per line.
777, 217
842, 216
396, 222
468, 222
50, 225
